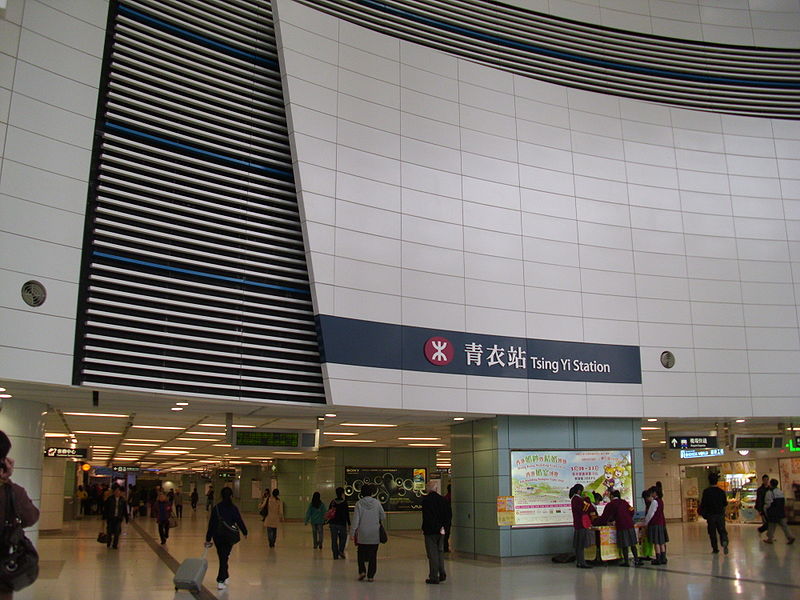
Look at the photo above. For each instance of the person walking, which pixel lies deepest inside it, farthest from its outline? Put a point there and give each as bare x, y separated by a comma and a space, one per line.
224, 516
775, 509
620, 513
761, 492
115, 509
83, 501
449, 497
274, 517
209, 498
315, 514
26, 512
162, 511
178, 502
339, 524
581, 523
655, 522
712, 509
367, 520
436, 518
193, 498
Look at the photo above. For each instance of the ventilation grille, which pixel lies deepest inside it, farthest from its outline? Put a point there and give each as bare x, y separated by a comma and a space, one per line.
731, 79
195, 274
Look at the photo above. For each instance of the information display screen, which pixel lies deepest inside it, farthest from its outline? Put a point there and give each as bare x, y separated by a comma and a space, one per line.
541, 479
758, 441
277, 439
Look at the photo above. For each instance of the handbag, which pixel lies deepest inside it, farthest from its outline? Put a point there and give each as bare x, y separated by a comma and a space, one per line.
102, 537
382, 535
264, 510
19, 560
226, 532
172, 522
330, 514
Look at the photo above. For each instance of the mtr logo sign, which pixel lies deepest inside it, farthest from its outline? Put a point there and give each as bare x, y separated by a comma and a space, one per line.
439, 351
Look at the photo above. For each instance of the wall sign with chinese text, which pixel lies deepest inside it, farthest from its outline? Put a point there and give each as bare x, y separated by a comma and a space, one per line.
383, 345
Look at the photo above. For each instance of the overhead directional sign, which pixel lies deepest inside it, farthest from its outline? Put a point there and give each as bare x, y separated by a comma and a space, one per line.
702, 453
53, 452
691, 441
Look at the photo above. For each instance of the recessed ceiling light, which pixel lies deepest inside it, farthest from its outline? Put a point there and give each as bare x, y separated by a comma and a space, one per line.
170, 451
331, 415
61, 435
2, 389
192, 439
652, 420
6, 396
179, 448
284, 452
352, 442
645, 439
176, 408
154, 427
99, 432
124, 459
212, 425
243, 426
205, 433
650, 428
443, 451
740, 420
101, 447
181, 404
428, 445
138, 444
338, 433
222, 445
88, 414
458, 418
663, 442
419, 438
367, 425
142, 440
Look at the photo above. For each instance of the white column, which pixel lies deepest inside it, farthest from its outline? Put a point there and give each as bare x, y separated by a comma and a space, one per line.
52, 504
23, 422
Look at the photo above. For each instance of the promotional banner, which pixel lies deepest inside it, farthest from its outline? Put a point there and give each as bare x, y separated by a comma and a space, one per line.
398, 488
541, 479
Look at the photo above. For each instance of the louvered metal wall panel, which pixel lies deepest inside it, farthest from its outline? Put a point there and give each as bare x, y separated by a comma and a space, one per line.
731, 79
194, 274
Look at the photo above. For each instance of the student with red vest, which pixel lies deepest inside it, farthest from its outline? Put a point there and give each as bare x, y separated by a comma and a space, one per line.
656, 523
582, 524
620, 513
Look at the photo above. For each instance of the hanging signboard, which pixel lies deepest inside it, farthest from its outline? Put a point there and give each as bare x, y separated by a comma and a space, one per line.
398, 489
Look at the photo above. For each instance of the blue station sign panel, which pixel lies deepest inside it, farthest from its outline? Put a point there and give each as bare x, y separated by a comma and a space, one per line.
382, 345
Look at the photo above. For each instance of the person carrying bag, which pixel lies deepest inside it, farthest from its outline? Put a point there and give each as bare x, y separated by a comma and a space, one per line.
225, 528
19, 560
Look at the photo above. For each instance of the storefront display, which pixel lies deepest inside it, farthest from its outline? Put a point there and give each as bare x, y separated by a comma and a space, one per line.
790, 483
540, 480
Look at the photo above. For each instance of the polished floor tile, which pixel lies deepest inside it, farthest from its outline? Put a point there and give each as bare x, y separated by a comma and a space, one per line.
75, 566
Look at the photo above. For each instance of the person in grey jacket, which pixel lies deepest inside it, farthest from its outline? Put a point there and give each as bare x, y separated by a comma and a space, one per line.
367, 519
775, 509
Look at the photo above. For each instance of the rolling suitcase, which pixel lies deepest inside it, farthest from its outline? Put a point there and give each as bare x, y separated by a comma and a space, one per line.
190, 573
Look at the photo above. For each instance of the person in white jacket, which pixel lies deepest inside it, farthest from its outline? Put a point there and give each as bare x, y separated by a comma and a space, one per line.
775, 509
365, 531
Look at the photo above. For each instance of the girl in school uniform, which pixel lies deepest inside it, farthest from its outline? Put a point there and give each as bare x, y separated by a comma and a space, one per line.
620, 513
656, 527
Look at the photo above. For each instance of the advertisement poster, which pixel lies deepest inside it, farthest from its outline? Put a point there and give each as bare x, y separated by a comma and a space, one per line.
790, 477
505, 510
541, 479
399, 488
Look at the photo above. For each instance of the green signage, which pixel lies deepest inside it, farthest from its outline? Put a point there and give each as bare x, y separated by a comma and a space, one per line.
276, 439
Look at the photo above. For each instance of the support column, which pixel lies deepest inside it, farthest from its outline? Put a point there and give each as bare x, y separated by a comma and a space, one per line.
51, 516
481, 458
23, 423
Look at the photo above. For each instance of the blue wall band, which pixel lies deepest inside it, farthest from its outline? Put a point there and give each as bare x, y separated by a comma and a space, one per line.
386, 346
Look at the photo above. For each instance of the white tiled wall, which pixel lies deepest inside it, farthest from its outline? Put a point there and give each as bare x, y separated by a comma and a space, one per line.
450, 195
740, 22
50, 58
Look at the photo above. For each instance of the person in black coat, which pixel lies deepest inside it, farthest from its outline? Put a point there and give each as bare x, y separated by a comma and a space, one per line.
224, 511
115, 509
712, 509
436, 517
